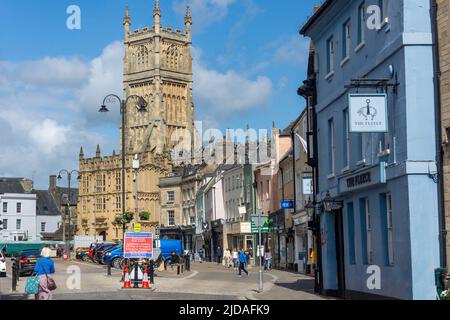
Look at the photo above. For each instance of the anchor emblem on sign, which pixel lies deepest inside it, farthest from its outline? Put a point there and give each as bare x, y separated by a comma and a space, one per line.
368, 112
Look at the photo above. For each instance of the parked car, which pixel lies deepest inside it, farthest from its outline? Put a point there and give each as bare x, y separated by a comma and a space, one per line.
27, 261
113, 256
99, 250
82, 254
93, 248
2, 265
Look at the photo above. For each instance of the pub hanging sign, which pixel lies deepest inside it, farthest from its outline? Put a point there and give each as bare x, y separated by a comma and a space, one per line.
368, 113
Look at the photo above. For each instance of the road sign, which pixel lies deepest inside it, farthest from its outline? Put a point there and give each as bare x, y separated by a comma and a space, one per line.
287, 204
138, 245
264, 222
137, 227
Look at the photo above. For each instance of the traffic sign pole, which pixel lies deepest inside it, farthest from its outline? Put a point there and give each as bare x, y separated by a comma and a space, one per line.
260, 286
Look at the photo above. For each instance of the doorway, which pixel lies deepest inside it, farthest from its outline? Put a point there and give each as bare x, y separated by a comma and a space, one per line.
340, 257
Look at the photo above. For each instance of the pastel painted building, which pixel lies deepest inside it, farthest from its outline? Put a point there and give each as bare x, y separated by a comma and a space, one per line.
380, 234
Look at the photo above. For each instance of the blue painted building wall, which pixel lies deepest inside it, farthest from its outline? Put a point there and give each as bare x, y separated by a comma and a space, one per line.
405, 43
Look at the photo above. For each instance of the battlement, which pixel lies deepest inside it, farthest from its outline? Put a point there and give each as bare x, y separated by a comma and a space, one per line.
144, 31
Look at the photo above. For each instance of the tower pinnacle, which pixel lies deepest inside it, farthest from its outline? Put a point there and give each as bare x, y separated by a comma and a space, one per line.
127, 22
188, 22
157, 16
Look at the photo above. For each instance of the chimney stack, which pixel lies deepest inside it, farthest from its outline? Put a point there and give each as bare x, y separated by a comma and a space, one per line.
52, 182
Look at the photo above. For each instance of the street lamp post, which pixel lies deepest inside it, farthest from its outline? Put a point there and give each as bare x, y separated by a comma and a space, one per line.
142, 107
136, 172
69, 179
260, 283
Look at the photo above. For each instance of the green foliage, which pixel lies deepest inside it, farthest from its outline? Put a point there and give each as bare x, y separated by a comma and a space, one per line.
128, 216
145, 215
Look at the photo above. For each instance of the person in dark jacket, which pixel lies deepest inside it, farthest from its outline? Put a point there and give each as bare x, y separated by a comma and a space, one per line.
175, 258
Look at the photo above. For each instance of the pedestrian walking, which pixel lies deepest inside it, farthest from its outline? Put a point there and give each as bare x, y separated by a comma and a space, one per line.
268, 260
235, 256
44, 267
219, 255
242, 263
228, 258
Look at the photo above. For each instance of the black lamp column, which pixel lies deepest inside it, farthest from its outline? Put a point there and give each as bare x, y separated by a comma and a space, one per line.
69, 179
142, 107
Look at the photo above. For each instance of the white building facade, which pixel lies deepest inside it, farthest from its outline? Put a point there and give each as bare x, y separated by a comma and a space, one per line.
18, 215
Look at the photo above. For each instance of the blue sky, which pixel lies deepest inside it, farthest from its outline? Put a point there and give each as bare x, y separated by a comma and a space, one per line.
249, 62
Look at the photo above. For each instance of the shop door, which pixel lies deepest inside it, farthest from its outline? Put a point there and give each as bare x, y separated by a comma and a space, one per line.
339, 233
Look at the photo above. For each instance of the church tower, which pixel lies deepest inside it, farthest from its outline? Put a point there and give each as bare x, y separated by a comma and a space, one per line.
158, 67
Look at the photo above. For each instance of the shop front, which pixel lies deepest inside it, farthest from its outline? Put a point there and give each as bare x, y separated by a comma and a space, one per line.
304, 244
217, 238
188, 233
240, 236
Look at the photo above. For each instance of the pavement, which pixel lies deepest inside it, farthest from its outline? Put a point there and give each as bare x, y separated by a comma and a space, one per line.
206, 281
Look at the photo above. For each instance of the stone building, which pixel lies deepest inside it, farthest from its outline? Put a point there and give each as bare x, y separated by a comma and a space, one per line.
442, 39
158, 68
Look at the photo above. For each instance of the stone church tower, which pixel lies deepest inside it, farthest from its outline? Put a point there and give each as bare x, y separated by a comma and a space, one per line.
157, 67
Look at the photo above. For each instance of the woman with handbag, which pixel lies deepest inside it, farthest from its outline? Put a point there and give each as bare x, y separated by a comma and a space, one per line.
44, 267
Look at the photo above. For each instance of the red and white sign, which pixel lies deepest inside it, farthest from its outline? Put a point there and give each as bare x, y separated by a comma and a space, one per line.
138, 245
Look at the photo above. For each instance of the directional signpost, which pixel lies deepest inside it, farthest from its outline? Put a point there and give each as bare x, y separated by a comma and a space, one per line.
264, 222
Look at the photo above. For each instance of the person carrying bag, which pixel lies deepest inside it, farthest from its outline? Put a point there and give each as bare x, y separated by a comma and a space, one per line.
43, 267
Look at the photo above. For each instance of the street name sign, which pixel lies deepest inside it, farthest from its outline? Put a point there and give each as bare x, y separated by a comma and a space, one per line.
287, 204
138, 245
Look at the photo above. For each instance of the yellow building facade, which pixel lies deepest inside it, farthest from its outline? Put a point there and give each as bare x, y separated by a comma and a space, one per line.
158, 68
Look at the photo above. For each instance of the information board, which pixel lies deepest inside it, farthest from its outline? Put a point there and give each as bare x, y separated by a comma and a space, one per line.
138, 245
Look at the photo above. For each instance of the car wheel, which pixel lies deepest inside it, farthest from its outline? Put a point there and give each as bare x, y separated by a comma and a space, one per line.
116, 263
85, 258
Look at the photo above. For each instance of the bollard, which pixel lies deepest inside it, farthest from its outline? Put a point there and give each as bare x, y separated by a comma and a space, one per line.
17, 271
14, 277
123, 273
188, 264
178, 269
136, 277
108, 269
152, 272
182, 268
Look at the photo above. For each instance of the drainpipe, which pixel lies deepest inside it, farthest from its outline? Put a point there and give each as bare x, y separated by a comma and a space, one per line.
293, 168
440, 153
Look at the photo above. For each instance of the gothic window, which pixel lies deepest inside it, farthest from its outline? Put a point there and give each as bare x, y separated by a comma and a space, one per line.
142, 57
172, 56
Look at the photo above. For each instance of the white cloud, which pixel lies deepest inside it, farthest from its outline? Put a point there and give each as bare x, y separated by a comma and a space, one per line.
48, 135
225, 94
204, 12
294, 50
48, 109
105, 77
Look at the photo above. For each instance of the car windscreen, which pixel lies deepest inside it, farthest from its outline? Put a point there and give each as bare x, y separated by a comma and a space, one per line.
27, 253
